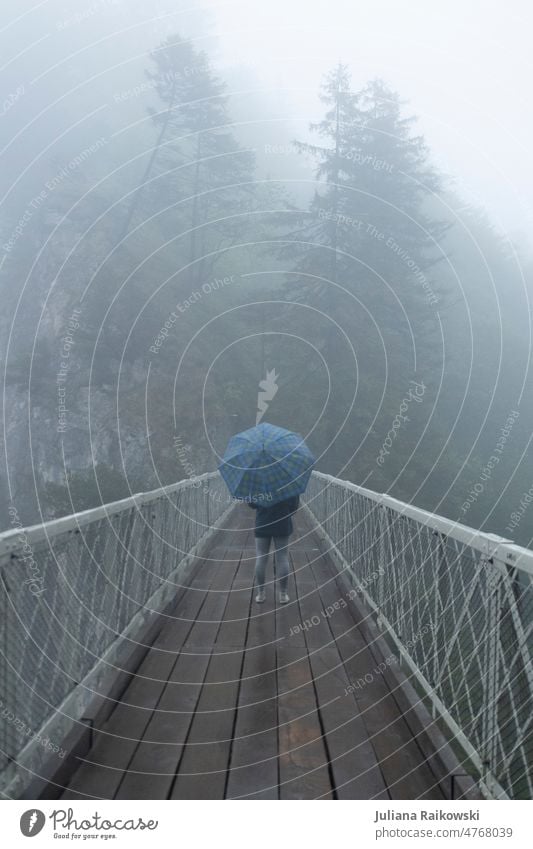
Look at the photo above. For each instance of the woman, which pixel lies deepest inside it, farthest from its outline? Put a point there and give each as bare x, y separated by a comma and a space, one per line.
273, 523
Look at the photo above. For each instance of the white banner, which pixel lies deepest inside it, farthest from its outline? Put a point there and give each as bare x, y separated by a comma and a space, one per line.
245, 824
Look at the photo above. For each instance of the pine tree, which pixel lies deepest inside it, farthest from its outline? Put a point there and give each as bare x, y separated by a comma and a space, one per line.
373, 179
365, 247
198, 174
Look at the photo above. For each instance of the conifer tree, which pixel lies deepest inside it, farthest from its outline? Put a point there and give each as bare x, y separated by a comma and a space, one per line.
365, 248
199, 174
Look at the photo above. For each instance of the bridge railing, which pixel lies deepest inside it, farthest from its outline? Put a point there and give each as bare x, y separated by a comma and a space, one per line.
72, 590
458, 606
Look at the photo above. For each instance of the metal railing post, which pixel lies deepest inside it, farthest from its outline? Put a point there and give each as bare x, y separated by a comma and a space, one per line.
382, 526
491, 668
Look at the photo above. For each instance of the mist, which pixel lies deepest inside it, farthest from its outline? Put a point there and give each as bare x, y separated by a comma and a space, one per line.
334, 198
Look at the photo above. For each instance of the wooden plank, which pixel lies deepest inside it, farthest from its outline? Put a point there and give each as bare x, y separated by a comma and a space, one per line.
112, 754
253, 771
262, 621
401, 761
314, 622
203, 768
152, 769
353, 762
178, 626
253, 767
234, 624
303, 760
100, 773
289, 629
155, 762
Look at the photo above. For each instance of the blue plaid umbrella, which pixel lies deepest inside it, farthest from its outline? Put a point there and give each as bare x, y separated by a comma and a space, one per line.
266, 463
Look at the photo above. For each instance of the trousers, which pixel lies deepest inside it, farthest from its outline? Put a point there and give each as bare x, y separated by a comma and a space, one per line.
281, 550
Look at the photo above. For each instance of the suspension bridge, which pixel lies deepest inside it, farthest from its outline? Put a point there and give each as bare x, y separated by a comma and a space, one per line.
135, 663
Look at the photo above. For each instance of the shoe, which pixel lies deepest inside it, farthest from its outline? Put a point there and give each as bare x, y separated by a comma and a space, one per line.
283, 598
260, 597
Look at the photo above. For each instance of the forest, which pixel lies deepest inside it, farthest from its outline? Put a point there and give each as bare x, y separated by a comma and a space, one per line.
175, 262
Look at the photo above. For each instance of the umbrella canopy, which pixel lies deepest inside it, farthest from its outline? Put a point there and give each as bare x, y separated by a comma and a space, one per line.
266, 464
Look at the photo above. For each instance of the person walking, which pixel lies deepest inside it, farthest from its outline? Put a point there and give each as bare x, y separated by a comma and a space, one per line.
269, 467
273, 523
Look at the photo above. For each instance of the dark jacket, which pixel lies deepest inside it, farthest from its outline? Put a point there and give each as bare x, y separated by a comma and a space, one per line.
275, 521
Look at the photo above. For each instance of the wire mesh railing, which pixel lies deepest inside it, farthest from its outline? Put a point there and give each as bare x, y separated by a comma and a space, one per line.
458, 604
71, 587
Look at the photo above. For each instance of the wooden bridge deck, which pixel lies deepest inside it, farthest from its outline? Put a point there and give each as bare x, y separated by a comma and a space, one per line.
234, 700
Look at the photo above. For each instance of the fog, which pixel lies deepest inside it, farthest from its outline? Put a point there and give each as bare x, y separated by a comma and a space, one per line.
175, 228
464, 68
